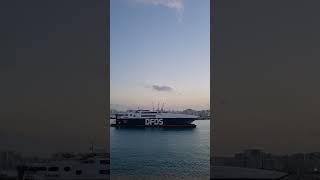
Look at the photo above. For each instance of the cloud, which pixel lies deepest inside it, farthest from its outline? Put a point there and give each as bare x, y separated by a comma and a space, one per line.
177, 5
162, 88
173, 4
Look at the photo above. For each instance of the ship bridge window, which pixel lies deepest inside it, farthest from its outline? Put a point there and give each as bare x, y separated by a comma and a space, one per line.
53, 169
148, 112
104, 171
104, 161
67, 169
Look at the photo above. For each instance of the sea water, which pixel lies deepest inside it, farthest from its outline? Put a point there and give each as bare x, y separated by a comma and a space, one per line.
156, 153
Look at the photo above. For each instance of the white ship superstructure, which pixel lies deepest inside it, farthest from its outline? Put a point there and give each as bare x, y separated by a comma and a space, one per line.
154, 118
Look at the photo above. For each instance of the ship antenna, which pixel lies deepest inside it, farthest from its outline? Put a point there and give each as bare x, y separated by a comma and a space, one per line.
152, 106
158, 106
162, 107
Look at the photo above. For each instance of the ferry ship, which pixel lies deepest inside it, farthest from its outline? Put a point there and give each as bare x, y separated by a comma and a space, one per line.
148, 118
93, 166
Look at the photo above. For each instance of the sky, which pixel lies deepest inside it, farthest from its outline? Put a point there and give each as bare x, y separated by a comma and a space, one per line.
265, 70
266, 76
53, 76
160, 54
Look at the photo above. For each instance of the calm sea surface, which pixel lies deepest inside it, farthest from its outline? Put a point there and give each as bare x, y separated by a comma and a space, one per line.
154, 153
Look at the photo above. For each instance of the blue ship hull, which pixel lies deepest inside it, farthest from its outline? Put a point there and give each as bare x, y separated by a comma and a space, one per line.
155, 122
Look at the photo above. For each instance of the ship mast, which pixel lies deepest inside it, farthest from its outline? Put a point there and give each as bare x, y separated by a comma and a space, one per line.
162, 107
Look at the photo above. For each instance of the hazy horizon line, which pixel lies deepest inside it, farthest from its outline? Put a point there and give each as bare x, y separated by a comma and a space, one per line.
132, 107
